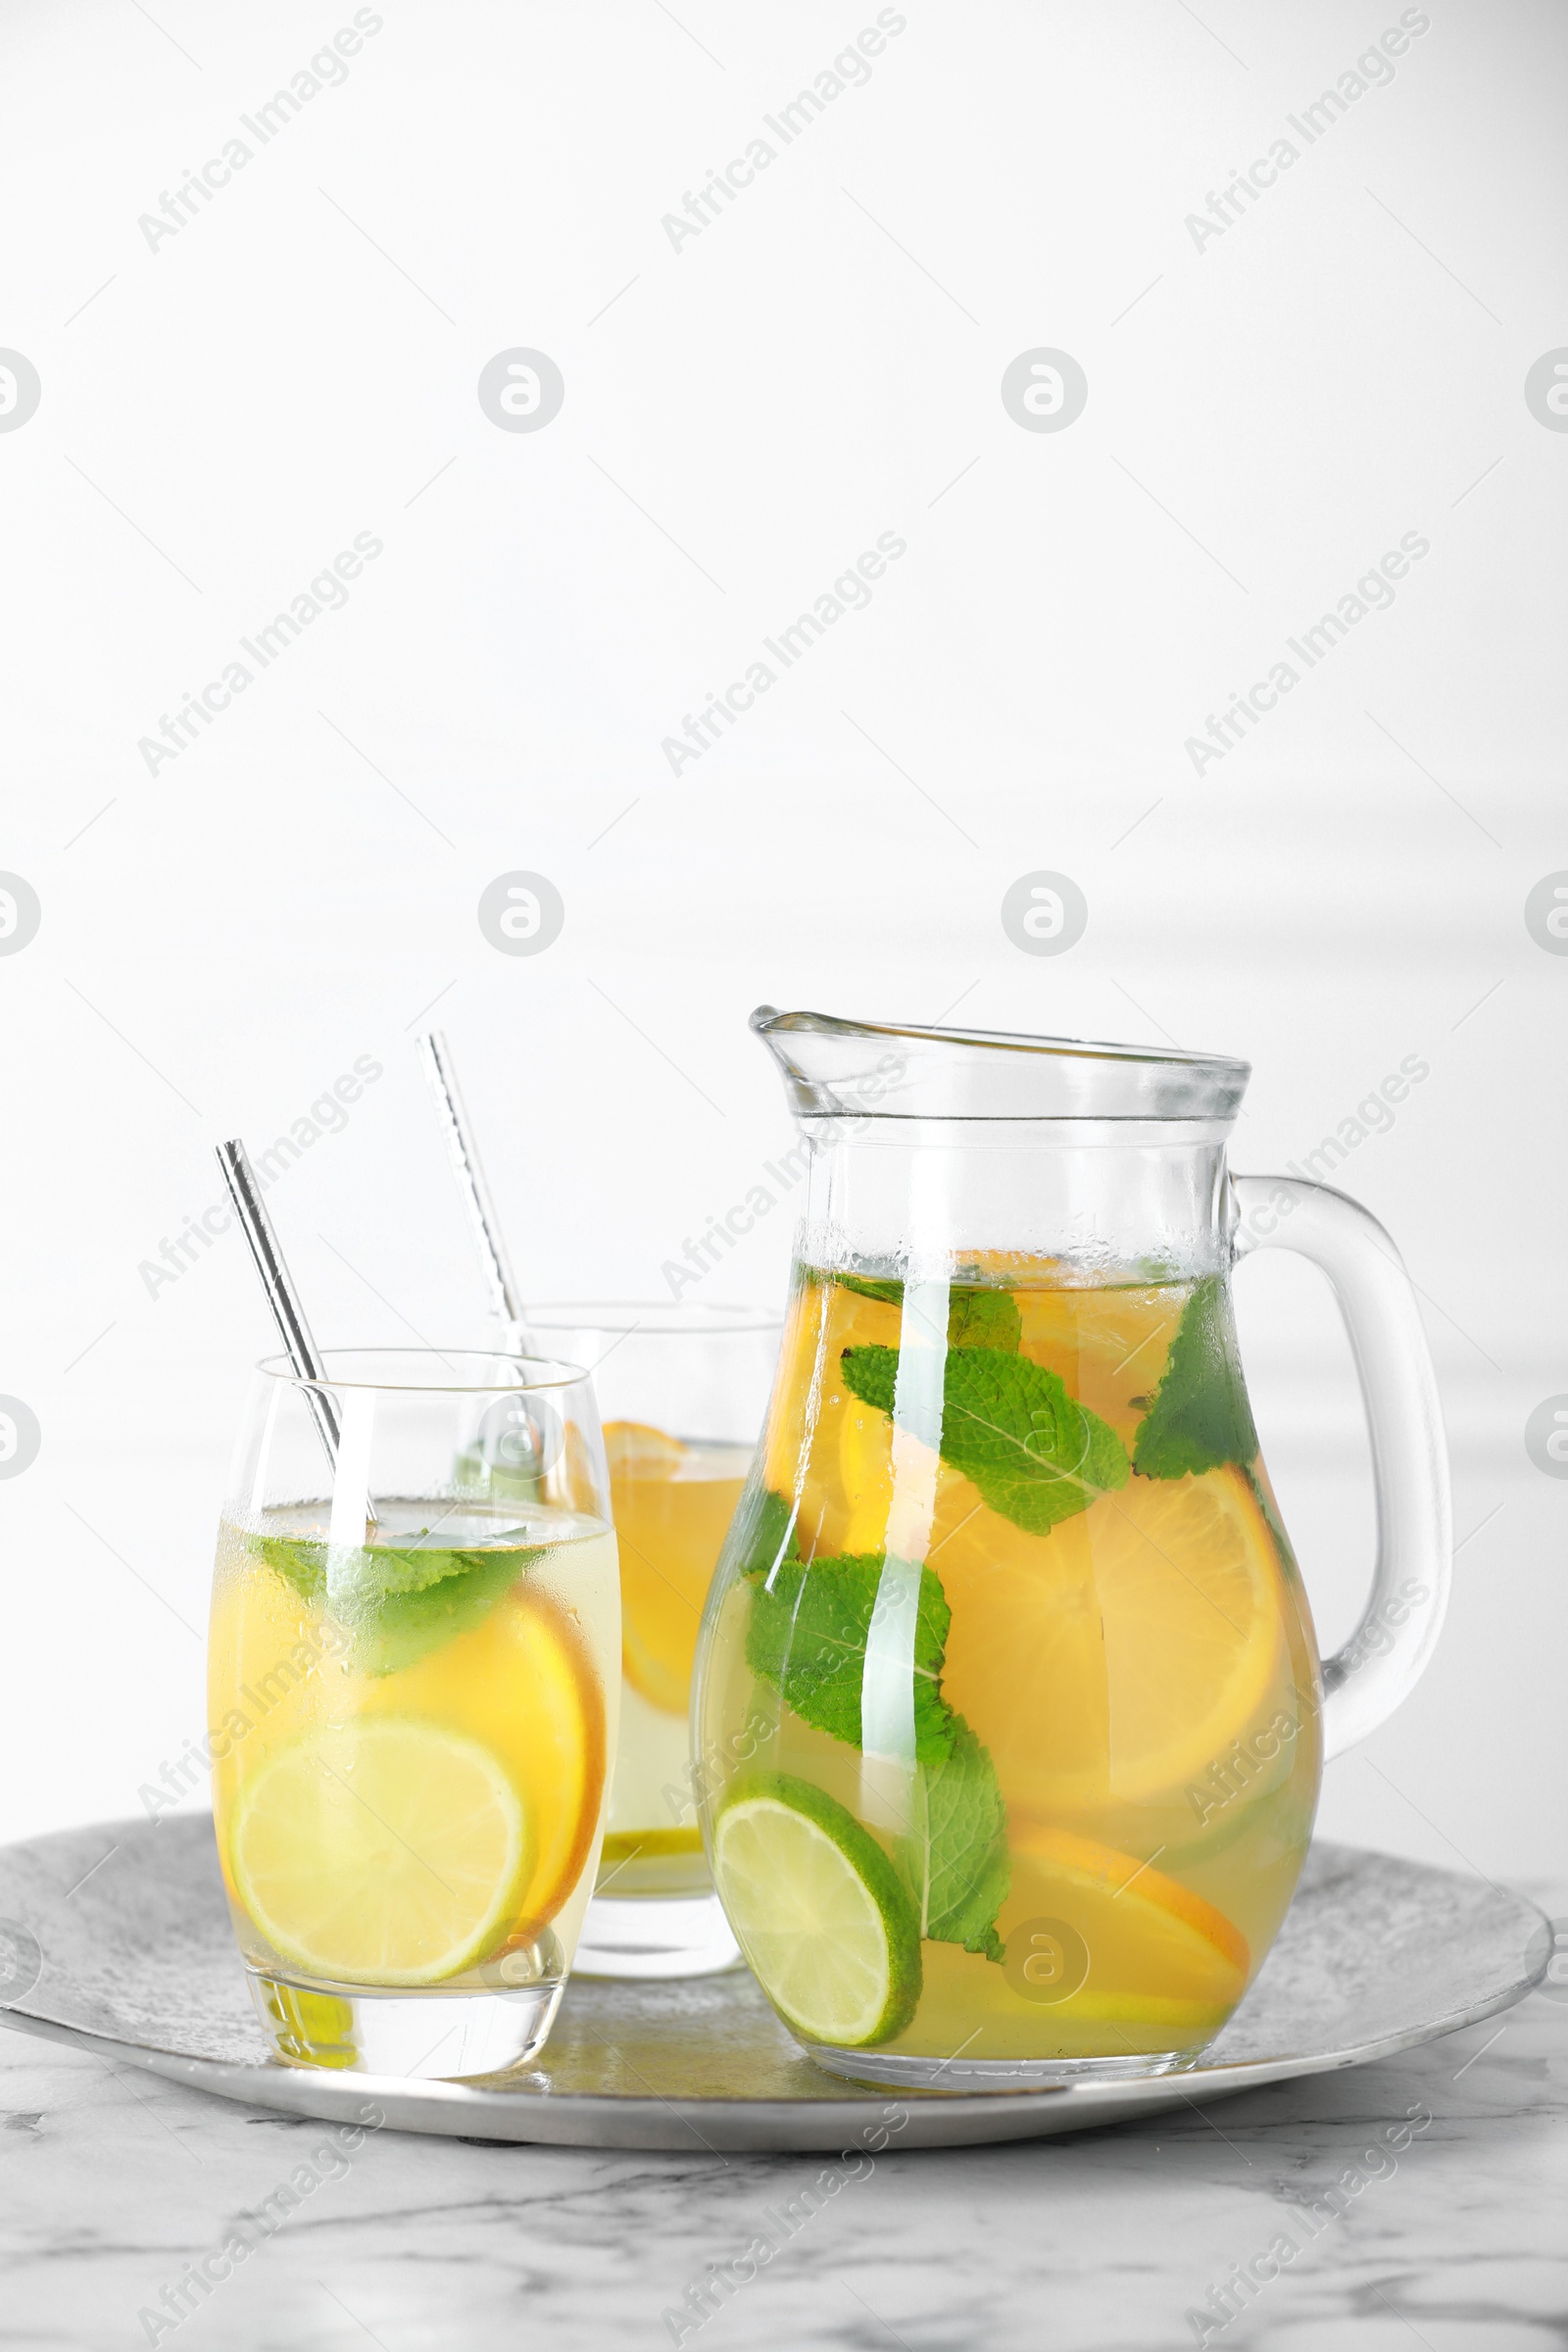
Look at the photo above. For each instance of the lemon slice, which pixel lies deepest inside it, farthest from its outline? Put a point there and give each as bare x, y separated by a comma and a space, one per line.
1117, 1657
1189, 1583
819, 1911
644, 1655
636, 1450
390, 1851
1155, 1951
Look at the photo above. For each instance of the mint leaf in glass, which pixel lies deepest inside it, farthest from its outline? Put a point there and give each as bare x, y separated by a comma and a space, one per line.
978, 1316
399, 1602
866, 1286
763, 1533
1200, 1416
1008, 1424
300, 1563
807, 1636
399, 1624
962, 1858
984, 1318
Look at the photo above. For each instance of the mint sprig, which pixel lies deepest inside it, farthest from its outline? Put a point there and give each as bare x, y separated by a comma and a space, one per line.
1200, 1416
1010, 1426
397, 1604
809, 1628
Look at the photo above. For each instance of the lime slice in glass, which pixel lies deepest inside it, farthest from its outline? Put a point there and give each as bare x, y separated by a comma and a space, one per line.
824, 1919
390, 1851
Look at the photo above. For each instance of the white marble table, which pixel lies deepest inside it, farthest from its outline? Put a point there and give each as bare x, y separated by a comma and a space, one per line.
113, 2182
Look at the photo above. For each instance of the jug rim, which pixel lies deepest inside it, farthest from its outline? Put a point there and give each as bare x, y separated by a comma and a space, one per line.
990, 1073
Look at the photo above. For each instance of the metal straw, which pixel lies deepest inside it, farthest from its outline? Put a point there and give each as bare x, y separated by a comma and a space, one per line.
281, 1296
469, 1172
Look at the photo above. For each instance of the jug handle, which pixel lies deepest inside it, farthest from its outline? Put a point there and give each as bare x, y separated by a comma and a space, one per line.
1387, 1654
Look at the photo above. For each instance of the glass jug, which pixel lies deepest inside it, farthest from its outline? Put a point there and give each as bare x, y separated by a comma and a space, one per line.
1008, 1720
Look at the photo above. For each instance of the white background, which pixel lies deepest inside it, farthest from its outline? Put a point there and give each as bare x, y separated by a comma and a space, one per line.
221, 414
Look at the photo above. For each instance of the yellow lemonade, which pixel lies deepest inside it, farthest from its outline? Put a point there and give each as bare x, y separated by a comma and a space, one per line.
673, 1501
411, 1738
1036, 1679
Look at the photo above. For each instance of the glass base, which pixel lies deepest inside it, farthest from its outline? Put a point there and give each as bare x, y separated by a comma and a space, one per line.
648, 1935
903, 2073
421, 2037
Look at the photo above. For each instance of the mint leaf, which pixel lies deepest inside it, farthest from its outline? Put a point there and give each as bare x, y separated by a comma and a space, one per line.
984, 1319
977, 1317
1200, 1416
1011, 1427
395, 1627
301, 1565
807, 1638
398, 1604
962, 1861
384, 1569
763, 1533
864, 1285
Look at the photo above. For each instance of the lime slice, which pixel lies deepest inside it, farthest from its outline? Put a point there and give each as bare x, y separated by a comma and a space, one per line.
390, 1851
821, 1914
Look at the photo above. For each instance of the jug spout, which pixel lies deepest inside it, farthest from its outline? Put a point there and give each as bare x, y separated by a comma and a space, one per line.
932, 1147
835, 1068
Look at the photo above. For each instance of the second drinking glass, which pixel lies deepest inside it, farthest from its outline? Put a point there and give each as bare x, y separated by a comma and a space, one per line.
682, 1390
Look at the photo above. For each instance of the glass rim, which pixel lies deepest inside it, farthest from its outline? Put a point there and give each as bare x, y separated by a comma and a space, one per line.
554, 1372
661, 1318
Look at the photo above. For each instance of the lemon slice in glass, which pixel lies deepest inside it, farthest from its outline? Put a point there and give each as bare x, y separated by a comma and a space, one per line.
1119, 1655
821, 1914
391, 1851
1155, 1949
636, 1450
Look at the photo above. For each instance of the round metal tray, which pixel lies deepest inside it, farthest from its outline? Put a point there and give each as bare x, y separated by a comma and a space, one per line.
134, 1958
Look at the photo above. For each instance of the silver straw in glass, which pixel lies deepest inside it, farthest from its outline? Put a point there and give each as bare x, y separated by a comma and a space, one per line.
281, 1296
468, 1169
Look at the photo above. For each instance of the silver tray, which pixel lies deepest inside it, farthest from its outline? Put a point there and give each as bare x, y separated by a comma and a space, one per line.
133, 1958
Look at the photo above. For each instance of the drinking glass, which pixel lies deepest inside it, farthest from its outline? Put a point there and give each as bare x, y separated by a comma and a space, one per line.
682, 1388
413, 1696
1007, 1669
